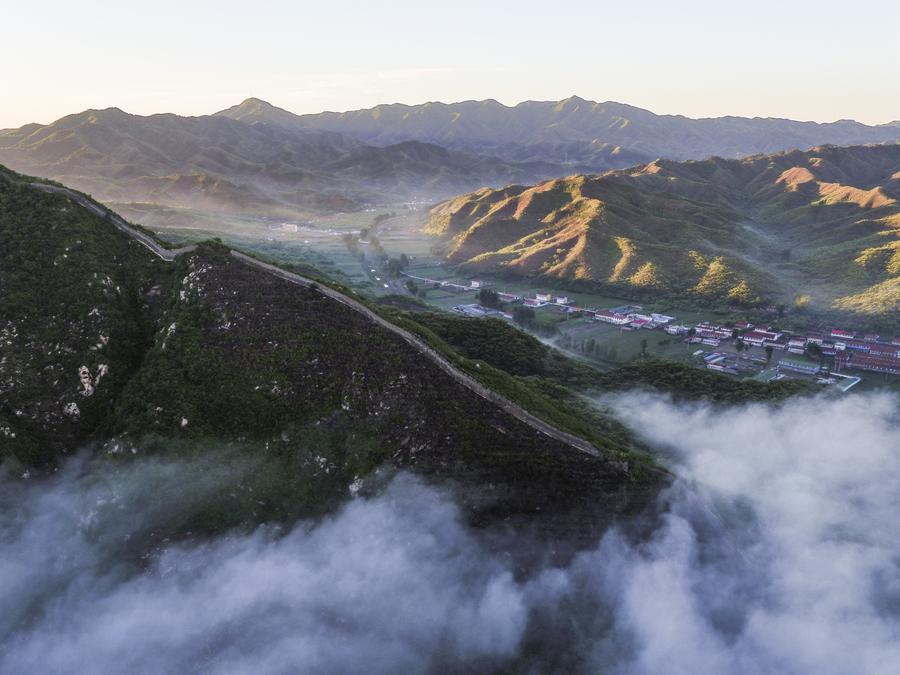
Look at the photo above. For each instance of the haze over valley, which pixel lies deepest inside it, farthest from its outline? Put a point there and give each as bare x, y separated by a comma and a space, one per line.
256, 158
251, 160
765, 228
415, 362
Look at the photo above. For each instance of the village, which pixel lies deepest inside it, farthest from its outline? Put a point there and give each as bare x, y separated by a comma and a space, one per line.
832, 356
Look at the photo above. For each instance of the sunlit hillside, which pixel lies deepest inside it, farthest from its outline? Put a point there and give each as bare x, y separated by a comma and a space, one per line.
824, 222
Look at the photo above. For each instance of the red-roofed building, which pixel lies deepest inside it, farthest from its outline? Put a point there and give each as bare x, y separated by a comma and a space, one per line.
842, 334
880, 349
758, 337
877, 364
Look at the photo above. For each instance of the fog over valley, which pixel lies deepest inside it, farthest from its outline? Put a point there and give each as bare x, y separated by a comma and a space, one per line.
328, 346
776, 552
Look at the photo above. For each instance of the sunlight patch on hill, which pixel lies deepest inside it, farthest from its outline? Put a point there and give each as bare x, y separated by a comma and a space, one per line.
795, 176
882, 298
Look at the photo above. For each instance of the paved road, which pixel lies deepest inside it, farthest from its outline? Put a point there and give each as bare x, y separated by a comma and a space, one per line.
416, 342
467, 381
168, 254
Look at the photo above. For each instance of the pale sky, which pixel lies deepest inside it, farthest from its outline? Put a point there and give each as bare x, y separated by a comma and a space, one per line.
806, 60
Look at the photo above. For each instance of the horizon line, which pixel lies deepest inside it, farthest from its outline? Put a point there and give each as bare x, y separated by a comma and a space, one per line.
509, 106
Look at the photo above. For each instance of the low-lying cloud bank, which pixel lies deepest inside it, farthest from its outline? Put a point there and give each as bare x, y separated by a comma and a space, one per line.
794, 567
779, 553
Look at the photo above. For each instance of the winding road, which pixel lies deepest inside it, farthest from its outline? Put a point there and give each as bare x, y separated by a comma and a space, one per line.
413, 340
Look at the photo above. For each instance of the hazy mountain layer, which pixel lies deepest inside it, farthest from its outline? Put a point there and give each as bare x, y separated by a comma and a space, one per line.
586, 135
257, 165
824, 222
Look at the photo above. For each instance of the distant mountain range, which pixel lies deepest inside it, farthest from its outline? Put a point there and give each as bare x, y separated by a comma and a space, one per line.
254, 159
589, 136
825, 222
257, 159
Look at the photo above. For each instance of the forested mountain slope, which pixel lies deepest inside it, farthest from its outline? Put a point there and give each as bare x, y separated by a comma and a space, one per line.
107, 346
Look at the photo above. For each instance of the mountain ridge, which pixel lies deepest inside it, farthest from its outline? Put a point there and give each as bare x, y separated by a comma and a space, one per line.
253, 166
255, 158
729, 230
574, 123
127, 350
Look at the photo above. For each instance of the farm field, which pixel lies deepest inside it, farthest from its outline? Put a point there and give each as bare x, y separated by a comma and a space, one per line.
617, 346
318, 242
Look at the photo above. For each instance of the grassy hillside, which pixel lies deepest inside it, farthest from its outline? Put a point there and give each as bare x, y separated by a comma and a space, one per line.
518, 353
824, 223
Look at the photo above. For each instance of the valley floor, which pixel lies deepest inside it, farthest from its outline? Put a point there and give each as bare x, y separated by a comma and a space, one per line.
322, 244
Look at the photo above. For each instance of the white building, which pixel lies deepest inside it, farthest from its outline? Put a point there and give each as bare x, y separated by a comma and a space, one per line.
759, 337
642, 318
612, 317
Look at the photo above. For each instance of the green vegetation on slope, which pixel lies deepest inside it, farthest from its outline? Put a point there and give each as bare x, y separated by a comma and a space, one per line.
557, 389
216, 353
74, 292
557, 377
685, 382
500, 344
